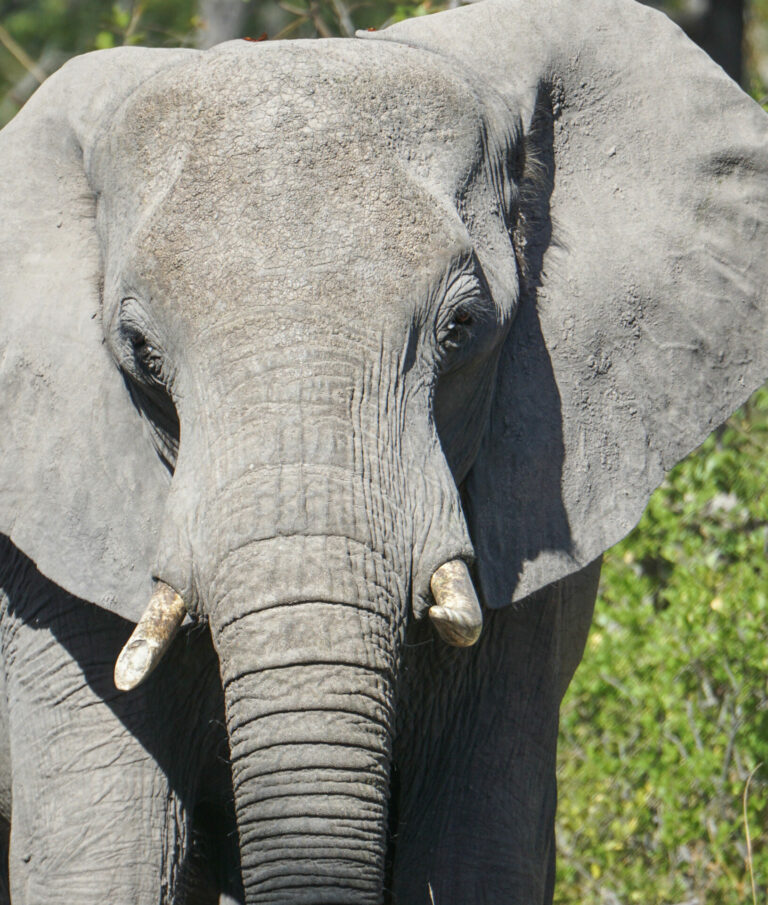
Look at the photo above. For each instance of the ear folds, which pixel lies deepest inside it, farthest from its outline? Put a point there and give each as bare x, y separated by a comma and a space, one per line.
81, 487
643, 323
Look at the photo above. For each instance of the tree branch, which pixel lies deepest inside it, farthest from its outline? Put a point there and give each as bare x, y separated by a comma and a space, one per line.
345, 20
21, 55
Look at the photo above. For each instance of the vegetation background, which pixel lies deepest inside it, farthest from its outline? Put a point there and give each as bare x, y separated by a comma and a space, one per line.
664, 734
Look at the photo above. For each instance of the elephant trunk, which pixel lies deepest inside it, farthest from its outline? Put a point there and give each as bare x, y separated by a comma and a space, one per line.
316, 534
308, 676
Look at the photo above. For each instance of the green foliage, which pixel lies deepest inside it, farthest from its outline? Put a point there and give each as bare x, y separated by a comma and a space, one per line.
409, 10
668, 714
39, 35
756, 50
74, 25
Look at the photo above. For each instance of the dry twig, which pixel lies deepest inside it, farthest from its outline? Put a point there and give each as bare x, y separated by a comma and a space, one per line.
18, 52
746, 833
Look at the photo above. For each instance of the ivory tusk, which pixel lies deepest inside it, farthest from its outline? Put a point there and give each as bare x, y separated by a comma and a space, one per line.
151, 637
456, 614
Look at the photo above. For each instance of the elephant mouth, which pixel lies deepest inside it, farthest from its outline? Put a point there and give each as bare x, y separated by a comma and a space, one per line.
456, 615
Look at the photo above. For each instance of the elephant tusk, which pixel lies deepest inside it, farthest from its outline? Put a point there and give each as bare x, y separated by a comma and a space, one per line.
151, 637
456, 613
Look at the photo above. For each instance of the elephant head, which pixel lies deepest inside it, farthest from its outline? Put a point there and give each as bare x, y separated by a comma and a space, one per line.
295, 328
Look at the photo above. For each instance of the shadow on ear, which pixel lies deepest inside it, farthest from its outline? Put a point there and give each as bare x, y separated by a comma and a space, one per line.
644, 322
81, 488
525, 432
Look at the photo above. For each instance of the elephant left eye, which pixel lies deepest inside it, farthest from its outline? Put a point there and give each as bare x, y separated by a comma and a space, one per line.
457, 331
459, 320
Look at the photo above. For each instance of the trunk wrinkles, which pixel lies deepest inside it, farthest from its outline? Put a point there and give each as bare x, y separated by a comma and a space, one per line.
303, 556
308, 672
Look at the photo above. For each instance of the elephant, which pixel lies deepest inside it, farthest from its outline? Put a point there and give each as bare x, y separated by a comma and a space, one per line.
320, 359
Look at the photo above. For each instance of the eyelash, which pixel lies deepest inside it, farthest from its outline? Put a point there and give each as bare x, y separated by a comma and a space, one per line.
461, 318
147, 357
457, 331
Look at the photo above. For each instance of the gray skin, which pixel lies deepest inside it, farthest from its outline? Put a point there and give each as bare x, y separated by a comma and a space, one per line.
288, 326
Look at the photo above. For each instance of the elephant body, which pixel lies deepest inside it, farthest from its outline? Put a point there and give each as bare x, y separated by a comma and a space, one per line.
335, 347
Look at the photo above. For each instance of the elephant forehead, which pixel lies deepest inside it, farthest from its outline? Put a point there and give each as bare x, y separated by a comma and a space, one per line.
299, 104
315, 156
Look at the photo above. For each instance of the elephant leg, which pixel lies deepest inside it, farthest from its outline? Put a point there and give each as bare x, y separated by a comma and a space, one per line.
94, 816
476, 770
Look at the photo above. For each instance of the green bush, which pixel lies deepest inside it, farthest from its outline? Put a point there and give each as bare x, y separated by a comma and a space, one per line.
668, 715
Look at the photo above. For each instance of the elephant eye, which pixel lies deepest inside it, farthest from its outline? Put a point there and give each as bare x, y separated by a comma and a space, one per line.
147, 356
457, 331
140, 354
460, 319
470, 324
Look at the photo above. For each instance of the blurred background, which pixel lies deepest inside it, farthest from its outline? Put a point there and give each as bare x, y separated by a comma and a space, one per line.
663, 768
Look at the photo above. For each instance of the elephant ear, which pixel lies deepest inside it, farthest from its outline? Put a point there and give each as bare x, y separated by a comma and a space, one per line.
642, 320
81, 487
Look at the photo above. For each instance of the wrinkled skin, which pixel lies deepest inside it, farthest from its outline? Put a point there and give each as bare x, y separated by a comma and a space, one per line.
167, 785
165, 782
307, 331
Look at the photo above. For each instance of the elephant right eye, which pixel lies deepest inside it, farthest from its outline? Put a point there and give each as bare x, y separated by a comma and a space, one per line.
145, 360
147, 357
141, 354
